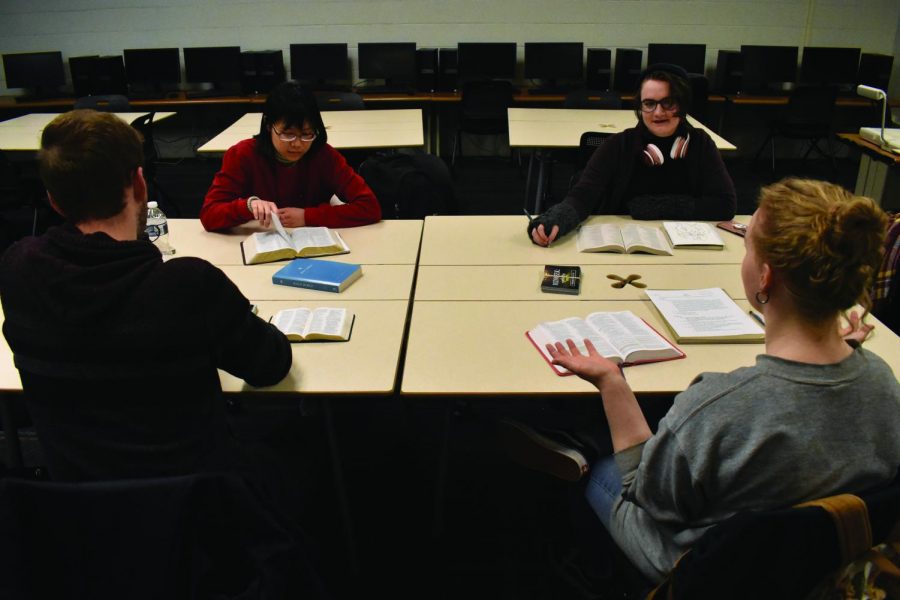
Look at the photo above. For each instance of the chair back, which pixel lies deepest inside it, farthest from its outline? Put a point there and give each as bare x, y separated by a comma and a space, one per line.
592, 99
589, 142
195, 536
485, 100
339, 101
784, 553
699, 97
811, 106
104, 103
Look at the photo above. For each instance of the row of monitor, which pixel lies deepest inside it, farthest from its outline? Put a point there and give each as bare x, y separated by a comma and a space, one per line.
759, 67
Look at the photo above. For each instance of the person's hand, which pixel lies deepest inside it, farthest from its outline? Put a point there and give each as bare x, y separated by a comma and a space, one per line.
262, 211
539, 236
856, 330
591, 367
292, 217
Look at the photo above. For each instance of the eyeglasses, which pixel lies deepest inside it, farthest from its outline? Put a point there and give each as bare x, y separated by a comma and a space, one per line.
667, 104
291, 137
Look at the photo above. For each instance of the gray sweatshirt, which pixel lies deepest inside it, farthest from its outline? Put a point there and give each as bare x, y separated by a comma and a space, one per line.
760, 437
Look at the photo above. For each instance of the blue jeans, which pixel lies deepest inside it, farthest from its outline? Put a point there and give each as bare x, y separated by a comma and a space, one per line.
604, 488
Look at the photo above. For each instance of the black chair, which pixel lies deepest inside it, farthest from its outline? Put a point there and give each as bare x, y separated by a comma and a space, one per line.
592, 99
784, 553
587, 145
483, 111
699, 97
808, 117
339, 101
144, 124
195, 536
107, 103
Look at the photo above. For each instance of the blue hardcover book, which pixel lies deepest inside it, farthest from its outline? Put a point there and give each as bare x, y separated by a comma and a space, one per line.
325, 275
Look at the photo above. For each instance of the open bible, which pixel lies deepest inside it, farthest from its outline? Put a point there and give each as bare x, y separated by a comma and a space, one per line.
301, 242
626, 239
320, 324
622, 337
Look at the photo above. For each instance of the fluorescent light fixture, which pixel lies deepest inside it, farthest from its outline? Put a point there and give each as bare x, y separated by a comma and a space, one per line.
887, 139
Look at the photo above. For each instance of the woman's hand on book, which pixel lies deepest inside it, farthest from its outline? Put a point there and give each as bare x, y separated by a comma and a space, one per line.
591, 367
292, 217
262, 210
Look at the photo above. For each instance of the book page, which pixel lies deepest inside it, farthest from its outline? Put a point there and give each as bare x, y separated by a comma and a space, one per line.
268, 241
578, 330
647, 237
626, 332
292, 321
692, 233
329, 321
703, 313
276, 222
313, 237
603, 235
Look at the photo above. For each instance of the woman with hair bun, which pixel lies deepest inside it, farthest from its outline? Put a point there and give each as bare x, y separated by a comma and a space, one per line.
815, 416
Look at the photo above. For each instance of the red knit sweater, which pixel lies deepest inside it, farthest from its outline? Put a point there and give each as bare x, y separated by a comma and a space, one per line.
307, 184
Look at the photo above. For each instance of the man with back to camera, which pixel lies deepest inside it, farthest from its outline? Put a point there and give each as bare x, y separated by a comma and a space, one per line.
118, 351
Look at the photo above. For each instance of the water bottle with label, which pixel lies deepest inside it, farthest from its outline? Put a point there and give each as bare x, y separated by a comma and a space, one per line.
158, 228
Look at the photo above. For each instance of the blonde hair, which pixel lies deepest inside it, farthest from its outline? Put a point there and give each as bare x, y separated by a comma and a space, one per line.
826, 242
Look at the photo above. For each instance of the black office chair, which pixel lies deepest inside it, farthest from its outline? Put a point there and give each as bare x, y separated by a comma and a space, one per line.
587, 145
339, 101
807, 117
483, 111
155, 191
194, 536
592, 99
699, 97
107, 103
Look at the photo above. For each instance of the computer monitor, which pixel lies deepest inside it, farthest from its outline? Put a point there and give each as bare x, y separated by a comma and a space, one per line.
97, 75
152, 69
320, 65
491, 60
691, 57
216, 65
554, 61
40, 73
767, 68
393, 62
830, 66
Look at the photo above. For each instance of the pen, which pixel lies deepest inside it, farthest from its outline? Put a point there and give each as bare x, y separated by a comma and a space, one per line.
527, 214
758, 317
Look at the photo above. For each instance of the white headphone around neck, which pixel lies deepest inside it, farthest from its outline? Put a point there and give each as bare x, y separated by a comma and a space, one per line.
653, 156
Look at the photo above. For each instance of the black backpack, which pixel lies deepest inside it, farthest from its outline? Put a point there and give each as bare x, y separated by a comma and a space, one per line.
409, 186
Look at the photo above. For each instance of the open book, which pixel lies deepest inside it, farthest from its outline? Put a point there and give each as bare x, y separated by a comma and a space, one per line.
705, 315
321, 324
302, 242
693, 234
609, 237
621, 337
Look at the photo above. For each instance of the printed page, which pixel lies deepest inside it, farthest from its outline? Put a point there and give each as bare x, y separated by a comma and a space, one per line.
328, 321
269, 241
598, 236
692, 233
276, 222
578, 330
313, 237
650, 237
626, 332
703, 313
292, 320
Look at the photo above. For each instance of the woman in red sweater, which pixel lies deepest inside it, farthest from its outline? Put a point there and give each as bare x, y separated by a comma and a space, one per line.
290, 170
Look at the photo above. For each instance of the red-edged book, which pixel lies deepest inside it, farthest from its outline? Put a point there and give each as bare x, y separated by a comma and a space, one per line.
622, 337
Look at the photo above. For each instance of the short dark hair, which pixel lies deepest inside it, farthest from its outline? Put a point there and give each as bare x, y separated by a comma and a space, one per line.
87, 161
292, 103
679, 86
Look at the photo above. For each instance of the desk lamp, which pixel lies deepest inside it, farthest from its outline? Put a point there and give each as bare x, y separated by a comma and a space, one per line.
887, 139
